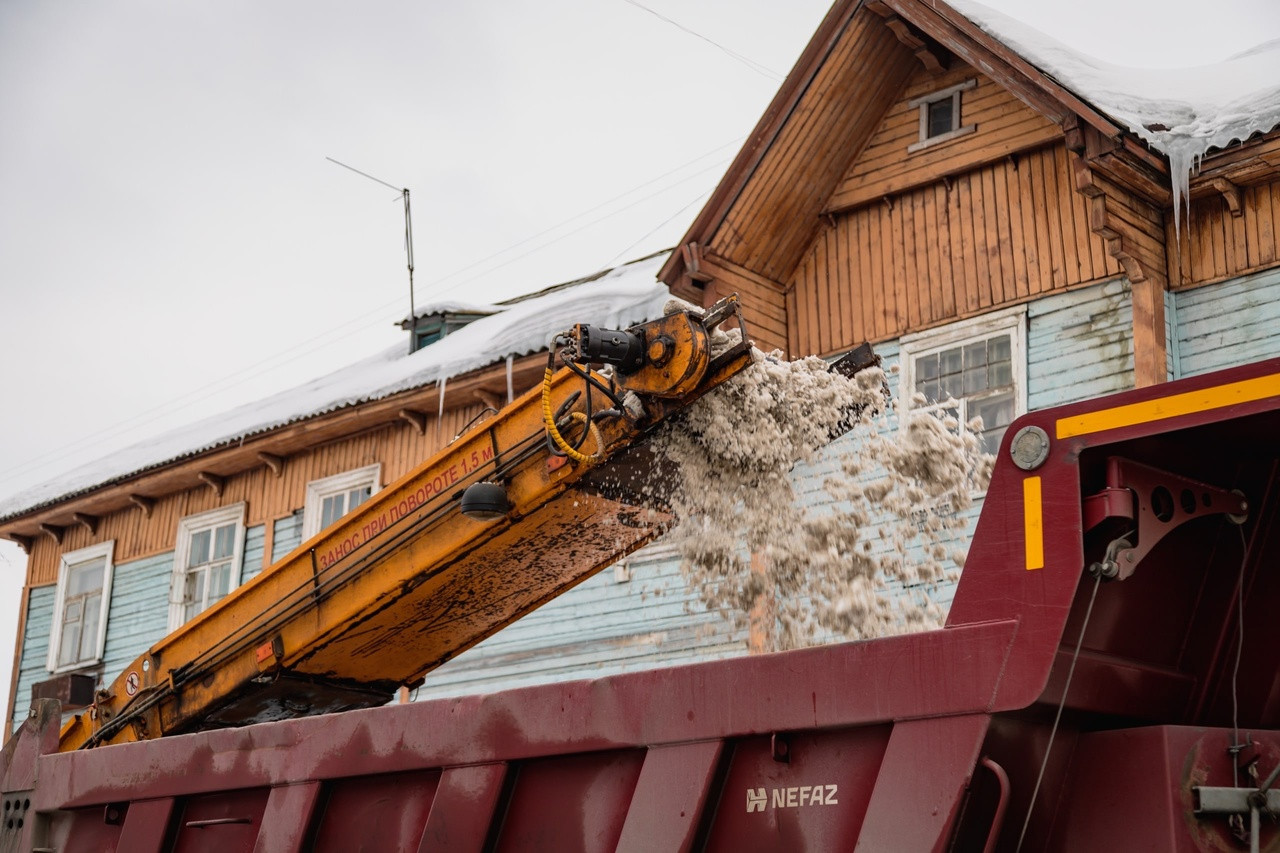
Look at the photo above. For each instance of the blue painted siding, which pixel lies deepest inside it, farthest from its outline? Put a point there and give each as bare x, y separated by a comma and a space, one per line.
139, 613
1079, 345
32, 667
1222, 325
600, 627
286, 534
254, 547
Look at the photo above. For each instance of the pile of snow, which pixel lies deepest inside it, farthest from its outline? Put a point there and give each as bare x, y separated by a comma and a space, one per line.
1179, 112
621, 297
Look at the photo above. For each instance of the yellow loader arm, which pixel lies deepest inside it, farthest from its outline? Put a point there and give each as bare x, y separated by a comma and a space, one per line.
514, 512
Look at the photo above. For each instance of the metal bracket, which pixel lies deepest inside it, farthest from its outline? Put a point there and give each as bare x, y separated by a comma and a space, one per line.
1159, 502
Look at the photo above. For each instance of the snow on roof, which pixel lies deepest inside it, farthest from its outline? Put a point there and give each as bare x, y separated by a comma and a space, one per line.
621, 297
447, 306
1180, 112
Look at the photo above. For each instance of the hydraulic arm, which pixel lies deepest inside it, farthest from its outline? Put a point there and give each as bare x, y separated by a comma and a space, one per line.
512, 513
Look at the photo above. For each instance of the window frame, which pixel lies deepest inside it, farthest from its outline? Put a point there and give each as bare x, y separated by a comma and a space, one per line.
318, 490
188, 527
66, 562
958, 130
1012, 321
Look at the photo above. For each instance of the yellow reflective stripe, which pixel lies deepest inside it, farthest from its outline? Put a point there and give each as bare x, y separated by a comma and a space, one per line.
1033, 522
1206, 399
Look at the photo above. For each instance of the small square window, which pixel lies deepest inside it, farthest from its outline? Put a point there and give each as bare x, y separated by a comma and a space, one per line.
207, 562
80, 609
940, 116
333, 497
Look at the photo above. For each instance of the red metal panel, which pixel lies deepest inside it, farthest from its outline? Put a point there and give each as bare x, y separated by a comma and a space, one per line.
376, 813
462, 811
290, 809
573, 804
926, 768
1131, 790
145, 825
812, 801
670, 797
85, 832
225, 822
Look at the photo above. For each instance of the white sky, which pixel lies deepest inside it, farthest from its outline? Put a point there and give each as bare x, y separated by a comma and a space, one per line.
173, 241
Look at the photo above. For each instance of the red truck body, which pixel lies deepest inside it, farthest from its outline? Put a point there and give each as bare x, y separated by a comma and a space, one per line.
1135, 685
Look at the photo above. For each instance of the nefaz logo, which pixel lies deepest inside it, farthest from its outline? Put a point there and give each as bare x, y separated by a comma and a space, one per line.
791, 798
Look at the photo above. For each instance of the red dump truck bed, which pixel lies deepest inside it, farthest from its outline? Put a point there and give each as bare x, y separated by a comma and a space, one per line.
1166, 721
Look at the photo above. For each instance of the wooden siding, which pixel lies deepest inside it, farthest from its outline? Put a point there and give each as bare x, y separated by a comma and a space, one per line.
1004, 126
774, 217
139, 613
1007, 232
1079, 345
599, 627
1234, 322
32, 665
1214, 245
399, 447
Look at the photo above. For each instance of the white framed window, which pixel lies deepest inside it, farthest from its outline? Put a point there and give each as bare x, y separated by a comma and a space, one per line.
975, 368
333, 497
940, 115
206, 561
80, 607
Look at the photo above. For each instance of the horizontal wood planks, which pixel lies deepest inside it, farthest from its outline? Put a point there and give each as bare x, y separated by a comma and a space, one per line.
1003, 233
773, 220
1215, 245
1004, 125
398, 447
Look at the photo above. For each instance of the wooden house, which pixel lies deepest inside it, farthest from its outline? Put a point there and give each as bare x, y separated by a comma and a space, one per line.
921, 181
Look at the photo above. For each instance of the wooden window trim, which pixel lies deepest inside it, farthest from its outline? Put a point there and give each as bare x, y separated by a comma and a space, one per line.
65, 562
1009, 320
318, 490
957, 130
187, 528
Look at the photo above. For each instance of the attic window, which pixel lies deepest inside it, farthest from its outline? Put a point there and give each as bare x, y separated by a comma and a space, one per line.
940, 116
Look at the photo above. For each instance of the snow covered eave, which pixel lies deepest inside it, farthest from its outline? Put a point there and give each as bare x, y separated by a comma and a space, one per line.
263, 449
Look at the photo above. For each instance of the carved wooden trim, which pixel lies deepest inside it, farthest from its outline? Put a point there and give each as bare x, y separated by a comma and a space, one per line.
489, 398
53, 530
23, 542
932, 55
213, 481
1230, 194
143, 503
90, 522
272, 461
417, 419
693, 257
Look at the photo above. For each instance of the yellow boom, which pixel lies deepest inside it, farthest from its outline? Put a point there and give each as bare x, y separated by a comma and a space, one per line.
407, 581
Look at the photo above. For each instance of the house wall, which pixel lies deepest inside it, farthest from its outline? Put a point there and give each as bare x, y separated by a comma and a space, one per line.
1232, 322
1212, 244
1007, 232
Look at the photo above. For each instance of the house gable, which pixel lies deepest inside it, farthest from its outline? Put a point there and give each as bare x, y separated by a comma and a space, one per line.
1002, 126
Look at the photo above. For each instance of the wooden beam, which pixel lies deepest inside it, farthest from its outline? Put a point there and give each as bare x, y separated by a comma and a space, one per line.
930, 54
23, 542
272, 461
89, 521
489, 398
143, 503
54, 530
1230, 194
213, 481
692, 253
418, 419
1150, 349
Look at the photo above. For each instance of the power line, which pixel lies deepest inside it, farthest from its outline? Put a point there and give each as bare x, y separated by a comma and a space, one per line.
762, 70
333, 337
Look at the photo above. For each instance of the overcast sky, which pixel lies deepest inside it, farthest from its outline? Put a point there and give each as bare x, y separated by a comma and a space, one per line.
173, 241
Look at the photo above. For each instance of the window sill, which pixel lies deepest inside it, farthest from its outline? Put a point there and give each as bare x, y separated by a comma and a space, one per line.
950, 135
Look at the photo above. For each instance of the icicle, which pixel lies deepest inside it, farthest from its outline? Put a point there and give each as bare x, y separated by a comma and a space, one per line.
510, 388
441, 384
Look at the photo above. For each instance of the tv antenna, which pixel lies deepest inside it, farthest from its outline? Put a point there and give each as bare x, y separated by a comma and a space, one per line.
408, 245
